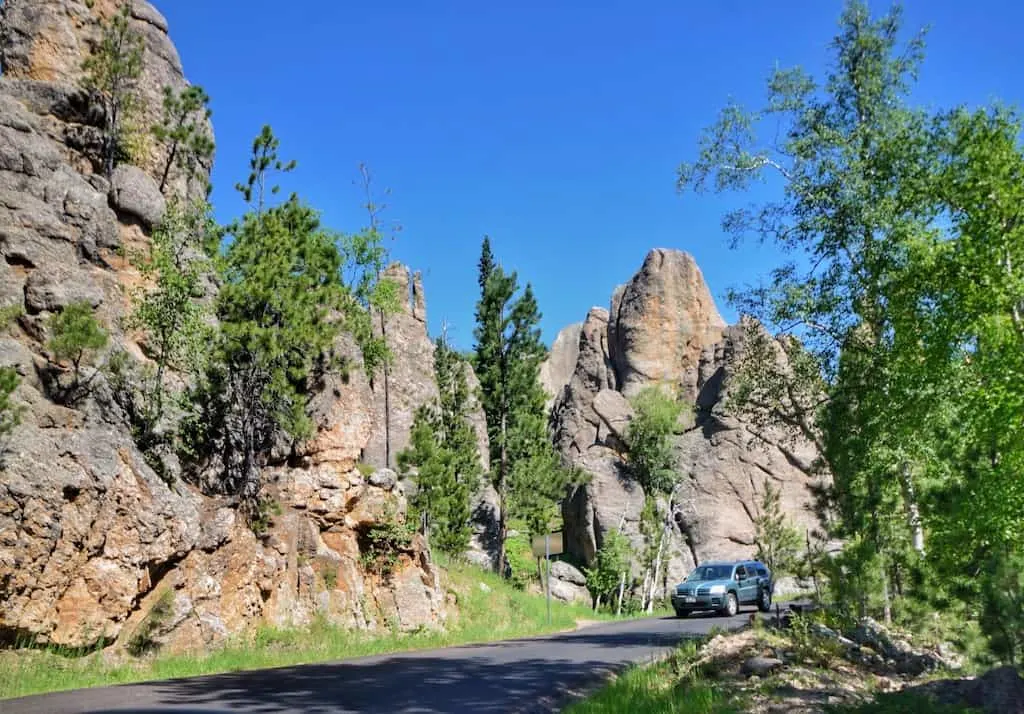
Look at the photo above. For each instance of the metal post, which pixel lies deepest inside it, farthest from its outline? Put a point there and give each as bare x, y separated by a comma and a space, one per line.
547, 560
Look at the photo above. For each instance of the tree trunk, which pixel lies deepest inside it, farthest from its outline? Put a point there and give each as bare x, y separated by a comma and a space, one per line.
167, 169
657, 570
886, 599
502, 495
912, 508
622, 588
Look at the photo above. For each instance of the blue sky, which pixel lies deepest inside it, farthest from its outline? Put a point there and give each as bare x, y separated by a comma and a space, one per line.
554, 127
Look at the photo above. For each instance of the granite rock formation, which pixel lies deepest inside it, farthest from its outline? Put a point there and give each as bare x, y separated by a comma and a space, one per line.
664, 329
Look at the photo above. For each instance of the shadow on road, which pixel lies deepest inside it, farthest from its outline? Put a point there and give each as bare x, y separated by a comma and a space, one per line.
484, 679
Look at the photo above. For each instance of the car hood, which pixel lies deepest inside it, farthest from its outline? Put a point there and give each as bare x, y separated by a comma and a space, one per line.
694, 584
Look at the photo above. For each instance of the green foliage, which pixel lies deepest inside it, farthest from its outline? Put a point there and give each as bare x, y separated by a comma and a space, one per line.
183, 130
443, 456
525, 470
9, 314
142, 640
382, 543
170, 309
10, 413
778, 541
1002, 618
112, 72
75, 336
649, 440
279, 291
522, 565
610, 563
907, 294
261, 515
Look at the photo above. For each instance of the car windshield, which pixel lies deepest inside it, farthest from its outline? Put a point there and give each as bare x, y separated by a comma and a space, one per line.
711, 572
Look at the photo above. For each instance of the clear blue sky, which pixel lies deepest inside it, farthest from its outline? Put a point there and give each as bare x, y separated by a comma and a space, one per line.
554, 127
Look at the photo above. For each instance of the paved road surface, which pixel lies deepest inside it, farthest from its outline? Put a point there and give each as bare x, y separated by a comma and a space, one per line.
518, 676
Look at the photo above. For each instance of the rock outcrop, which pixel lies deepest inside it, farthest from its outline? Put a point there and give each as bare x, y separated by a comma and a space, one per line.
664, 329
93, 543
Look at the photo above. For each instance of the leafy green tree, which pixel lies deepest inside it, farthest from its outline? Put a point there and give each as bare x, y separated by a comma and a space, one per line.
849, 167
907, 295
279, 289
611, 564
184, 131
525, 471
779, 542
170, 309
649, 440
443, 452
112, 72
76, 336
653, 464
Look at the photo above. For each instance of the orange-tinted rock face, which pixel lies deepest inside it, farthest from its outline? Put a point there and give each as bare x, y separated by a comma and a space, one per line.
93, 543
661, 321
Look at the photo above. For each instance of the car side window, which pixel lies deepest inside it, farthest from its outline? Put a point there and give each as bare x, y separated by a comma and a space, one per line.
762, 571
741, 573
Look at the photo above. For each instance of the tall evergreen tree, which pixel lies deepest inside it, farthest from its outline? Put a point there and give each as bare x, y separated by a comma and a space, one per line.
444, 455
525, 470
280, 288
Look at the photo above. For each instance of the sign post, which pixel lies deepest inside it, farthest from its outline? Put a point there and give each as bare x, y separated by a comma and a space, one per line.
547, 545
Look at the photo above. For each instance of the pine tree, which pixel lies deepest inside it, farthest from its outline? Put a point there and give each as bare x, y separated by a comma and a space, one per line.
279, 287
444, 455
112, 72
777, 539
526, 472
183, 130
76, 336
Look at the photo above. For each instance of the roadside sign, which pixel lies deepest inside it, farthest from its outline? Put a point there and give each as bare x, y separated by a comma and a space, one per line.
553, 546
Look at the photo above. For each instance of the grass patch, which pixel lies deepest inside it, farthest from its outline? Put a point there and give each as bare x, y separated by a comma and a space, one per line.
902, 703
495, 611
659, 689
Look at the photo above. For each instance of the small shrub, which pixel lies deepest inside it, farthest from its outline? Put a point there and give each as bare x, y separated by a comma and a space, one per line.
382, 543
329, 574
263, 516
142, 640
76, 336
521, 562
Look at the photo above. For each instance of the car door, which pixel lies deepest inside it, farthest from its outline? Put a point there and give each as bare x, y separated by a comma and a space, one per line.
747, 584
740, 576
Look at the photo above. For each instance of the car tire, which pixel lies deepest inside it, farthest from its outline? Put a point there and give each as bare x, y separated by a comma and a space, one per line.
682, 613
764, 600
732, 605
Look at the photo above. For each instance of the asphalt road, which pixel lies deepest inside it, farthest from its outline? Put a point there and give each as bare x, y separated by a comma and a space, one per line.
516, 676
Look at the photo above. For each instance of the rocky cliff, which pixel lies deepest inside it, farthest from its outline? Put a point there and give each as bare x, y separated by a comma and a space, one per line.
93, 543
664, 329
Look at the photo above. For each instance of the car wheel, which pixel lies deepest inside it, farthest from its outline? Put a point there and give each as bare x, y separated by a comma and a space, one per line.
681, 613
732, 605
764, 600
